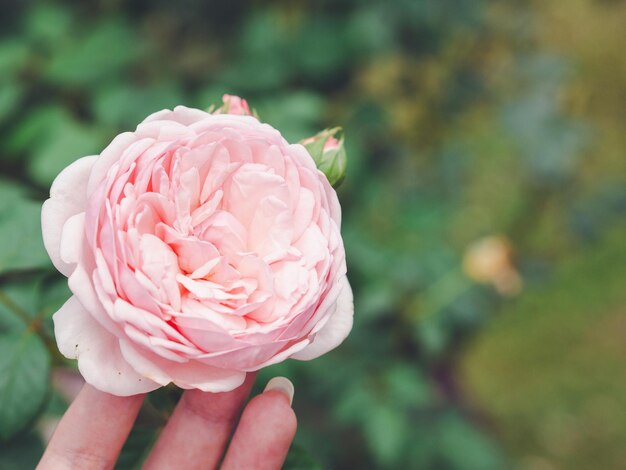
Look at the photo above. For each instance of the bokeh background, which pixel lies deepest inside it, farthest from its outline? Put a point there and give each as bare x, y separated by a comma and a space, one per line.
484, 211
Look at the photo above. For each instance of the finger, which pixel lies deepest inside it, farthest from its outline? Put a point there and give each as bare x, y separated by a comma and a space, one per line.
265, 431
92, 432
197, 432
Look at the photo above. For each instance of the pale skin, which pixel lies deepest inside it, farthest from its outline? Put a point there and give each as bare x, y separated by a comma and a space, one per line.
205, 429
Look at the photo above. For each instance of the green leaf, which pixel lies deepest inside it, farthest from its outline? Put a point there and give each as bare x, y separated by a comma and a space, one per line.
465, 447
408, 386
22, 452
24, 380
35, 128
22, 294
10, 95
386, 430
299, 458
56, 406
296, 114
317, 53
20, 230
69, 141
376, 299
49, 24
127, 106
349, 406
105, 51
53, 295
34, 298
13, 55
9, 321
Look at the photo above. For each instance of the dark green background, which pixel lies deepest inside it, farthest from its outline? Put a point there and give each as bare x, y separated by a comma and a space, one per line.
463, 119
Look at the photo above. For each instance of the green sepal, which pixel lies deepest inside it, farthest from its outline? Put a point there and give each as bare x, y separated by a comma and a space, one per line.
332, 162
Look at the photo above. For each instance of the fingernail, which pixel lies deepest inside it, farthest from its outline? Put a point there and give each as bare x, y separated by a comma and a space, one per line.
283, 385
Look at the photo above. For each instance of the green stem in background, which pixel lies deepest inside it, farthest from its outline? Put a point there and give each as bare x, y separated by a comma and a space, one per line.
32, 324
16, 309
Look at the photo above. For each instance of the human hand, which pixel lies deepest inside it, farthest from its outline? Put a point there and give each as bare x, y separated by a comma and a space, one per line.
93, 430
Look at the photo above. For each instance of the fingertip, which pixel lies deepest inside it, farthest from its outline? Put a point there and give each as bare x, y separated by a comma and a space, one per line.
272, 411
276, 410
265, 432
271, 407
282, 385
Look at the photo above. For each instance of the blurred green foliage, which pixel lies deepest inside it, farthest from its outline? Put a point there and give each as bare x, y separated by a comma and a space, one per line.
556, 395
463, 119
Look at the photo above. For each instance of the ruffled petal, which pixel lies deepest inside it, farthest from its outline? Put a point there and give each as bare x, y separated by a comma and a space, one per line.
72, 239
100, 361
336, 328
68, 197
281, 356
191, 374
180, 114
111, 154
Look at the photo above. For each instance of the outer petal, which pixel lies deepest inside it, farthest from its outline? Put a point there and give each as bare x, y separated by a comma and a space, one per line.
72, 239
181, 114
111, 154
192, 374
68, 197
100, 361
336, 328
281, 356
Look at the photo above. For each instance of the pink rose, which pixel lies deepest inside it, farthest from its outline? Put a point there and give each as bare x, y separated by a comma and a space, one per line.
198, 248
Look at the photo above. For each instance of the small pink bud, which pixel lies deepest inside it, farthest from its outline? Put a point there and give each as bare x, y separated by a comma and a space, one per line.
234, 105
331, 144
329, 154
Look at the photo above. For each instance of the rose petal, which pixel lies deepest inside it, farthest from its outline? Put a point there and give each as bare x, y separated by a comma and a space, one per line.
291, 351
72, 238
192, 374
180, 114
100, 361
111, 154
68, 197
336, 328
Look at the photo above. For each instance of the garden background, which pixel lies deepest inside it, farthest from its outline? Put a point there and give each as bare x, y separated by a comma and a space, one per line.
484, 210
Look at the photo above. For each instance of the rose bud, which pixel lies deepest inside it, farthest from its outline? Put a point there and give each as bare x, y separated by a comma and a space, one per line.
198, 248
329, 154
233, 105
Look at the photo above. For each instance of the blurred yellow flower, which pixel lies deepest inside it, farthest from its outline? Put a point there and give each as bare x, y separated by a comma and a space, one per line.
489, 261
